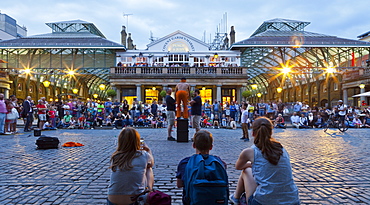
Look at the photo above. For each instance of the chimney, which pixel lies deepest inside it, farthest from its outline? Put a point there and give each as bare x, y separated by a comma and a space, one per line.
123, 36
130, 43
232, 35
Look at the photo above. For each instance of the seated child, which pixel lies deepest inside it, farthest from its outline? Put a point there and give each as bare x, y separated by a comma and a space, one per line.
203, 143
48, 125
232, 124
108, 120
216, 122
224, 121
357, 122
279, 122
81, 122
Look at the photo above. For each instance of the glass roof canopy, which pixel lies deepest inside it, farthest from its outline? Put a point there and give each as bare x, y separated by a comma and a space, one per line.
282, 43
76, 45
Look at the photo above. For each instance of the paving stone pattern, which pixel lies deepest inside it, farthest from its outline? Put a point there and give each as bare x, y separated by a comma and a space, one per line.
328, 168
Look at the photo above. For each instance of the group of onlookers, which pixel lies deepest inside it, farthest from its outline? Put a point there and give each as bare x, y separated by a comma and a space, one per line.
91, 114
354, 117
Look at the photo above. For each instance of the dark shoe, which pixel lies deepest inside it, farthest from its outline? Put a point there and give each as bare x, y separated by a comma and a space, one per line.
246, 140
243, 138
27, 130
171, 139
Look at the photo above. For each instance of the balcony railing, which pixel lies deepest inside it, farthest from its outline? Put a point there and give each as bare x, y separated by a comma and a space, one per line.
175, 71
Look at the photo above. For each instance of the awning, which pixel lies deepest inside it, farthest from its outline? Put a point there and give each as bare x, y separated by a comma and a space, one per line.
366, 94
2, 61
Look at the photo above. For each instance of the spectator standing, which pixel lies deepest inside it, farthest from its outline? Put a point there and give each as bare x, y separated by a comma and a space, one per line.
3, 112
11, 116
244, 121
41, 111
154, 108
108, 107
14, 101
207, 108
261, 108
196, 110
171, 107
125, 106
216, 108
115, 106
238, 111
297, 107
27, 113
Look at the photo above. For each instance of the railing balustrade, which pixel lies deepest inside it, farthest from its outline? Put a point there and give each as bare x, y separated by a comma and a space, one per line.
232, 71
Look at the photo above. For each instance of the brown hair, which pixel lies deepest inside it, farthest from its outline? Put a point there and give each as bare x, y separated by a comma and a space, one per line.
271, 149
127, 149
203, 140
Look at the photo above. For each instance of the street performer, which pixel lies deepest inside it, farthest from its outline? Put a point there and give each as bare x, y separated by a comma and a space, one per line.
182, 95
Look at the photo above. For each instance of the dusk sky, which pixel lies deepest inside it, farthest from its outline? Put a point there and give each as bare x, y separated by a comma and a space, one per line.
342, 18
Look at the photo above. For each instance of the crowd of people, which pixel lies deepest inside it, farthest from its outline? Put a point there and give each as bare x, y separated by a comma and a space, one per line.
76, 114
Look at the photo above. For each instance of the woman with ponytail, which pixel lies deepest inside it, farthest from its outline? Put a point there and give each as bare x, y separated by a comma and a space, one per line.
266, 176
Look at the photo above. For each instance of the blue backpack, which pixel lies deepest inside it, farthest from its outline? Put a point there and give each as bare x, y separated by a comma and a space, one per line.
206, 181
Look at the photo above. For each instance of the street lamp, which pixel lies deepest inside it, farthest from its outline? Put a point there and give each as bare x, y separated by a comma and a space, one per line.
153, 88
203, 88
216, 55
362, 85
95, 95
102, 87
279, 89
254, 86
75, 90
285, 70
46, 83
259, 95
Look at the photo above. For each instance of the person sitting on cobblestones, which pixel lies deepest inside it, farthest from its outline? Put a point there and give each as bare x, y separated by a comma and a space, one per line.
118, 121
67, 119
366, 122
131, 166
279, 122
90, 121
295, 120
266, 176
203, 143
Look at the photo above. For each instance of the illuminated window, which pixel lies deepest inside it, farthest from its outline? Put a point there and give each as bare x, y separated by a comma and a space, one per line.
151, 95
324, 88
306, 91
31, 89
40, 90
314, 89
206, 95
335, 85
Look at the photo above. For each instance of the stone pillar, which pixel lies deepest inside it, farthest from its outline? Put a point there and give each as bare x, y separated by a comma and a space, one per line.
345, 96
218, 93
6, 93
118, 96
362, 98
138, 92
238, 94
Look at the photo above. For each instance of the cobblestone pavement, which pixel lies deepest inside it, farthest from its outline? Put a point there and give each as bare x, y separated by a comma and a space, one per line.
329, 168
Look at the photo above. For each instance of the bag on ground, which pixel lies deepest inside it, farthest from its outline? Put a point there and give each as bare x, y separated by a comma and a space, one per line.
206, 181
46, 142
